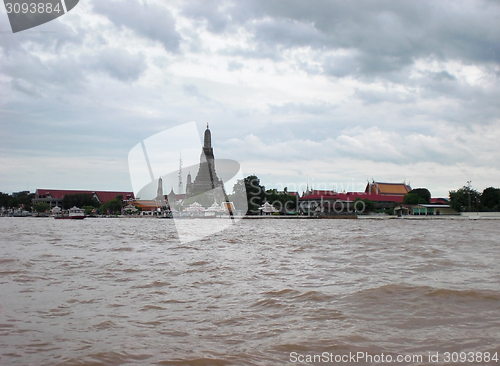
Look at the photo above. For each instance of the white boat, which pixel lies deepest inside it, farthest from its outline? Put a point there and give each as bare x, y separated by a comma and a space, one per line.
74, 213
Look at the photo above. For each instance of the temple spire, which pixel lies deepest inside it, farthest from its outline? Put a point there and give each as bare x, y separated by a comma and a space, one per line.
208, 138
206, 179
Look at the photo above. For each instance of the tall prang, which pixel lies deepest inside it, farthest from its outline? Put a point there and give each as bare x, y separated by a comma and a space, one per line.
206, 179
160, 198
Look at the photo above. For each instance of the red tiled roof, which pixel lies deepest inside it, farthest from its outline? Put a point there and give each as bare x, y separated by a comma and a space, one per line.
58, 193
443, 201
351, 196
320, 192
104, 196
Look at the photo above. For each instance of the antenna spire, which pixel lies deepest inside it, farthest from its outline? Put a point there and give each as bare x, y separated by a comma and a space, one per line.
180, 173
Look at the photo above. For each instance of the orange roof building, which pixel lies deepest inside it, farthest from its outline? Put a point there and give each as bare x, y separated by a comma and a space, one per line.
397, 189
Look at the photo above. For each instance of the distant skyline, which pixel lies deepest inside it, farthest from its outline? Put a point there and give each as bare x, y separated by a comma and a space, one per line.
333, 92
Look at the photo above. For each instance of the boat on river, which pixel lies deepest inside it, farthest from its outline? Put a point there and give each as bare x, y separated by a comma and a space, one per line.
74, 213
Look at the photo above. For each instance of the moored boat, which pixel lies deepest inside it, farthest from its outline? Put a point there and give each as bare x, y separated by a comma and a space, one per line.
74, 213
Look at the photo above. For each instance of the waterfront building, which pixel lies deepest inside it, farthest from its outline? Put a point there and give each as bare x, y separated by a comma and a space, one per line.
175, 200
383, 195
195, 209
332, 202
54, 197
396, 189
147, 207
433, 209
267, 209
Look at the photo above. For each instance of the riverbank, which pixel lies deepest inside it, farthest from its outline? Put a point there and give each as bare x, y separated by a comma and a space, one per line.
462, 216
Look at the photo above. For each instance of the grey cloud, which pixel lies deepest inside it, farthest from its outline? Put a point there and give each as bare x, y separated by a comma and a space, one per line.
288, 33
30, 73
191, 90
148, 20
233, 65
442, 76
375, 97
340, 66
120, 64
386, 36
302, 108
400, 147
215, 12
365, 144
52, 36
25, 88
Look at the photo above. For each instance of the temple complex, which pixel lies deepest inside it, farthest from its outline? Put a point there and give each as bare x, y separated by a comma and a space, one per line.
206, 179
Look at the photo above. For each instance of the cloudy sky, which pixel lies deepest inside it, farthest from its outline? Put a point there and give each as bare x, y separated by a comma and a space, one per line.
334, 92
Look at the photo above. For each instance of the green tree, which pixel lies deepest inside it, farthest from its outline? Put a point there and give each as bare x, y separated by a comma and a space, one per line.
256, 194
79, 200
88, 210
4, 200
290, 201
274, 198
461, 199
417, 195
282, 201
16, 200
490, 198
13, 202
112, 207
369, 205
41, 207
239, 197
413, 199
25, 199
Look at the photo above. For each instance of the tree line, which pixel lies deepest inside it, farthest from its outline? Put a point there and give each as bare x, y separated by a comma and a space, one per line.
467, 199
22, 200
256, 195
91, 205
463, 199
86, 201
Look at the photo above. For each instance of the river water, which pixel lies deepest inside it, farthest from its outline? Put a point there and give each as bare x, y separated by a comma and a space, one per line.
263, 292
